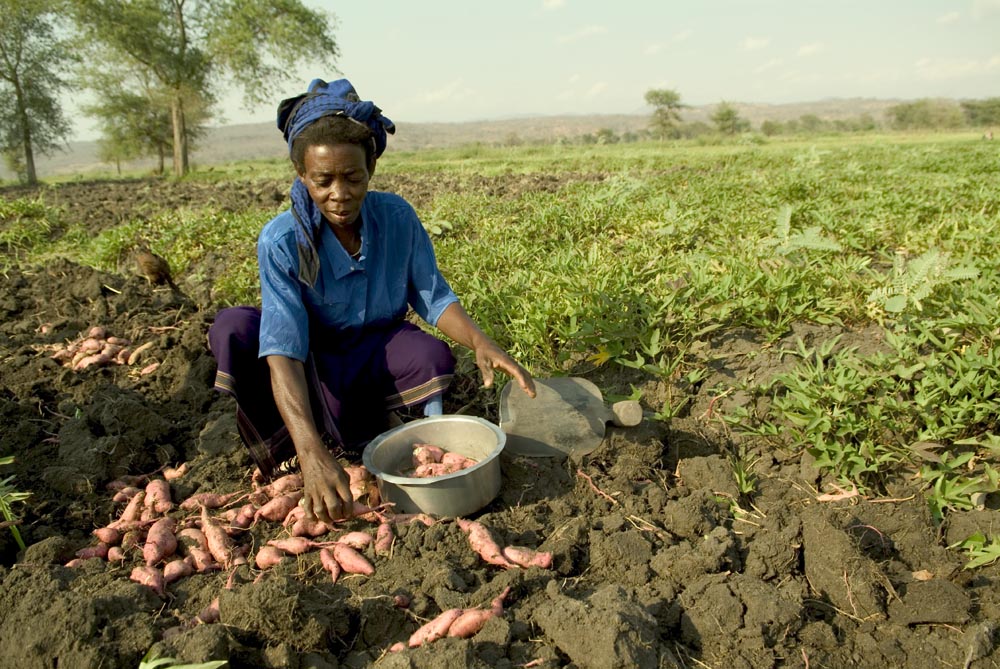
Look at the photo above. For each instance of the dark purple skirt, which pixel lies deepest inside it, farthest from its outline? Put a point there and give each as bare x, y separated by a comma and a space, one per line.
353, 383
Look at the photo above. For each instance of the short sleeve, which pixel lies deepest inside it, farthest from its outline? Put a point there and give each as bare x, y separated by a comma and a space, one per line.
428, 292
284, 323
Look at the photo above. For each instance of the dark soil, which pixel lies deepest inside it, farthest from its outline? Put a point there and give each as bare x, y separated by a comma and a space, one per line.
659, 561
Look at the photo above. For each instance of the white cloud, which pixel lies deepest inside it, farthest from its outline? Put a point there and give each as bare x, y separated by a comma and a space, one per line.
553, 4
774, 62
597, 89
450, 92
950, 17
583, 33
652, 49
981, 8
754, 43
955, 68
810, 49
682, 35
574, 78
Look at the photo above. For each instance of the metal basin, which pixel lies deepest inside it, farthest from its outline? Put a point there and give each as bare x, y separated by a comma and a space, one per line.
458, 494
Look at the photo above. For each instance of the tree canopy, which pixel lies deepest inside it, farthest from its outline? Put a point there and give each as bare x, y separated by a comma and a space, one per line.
666, 112
982, 112
32, 85
727, 119
190, 47
926, 114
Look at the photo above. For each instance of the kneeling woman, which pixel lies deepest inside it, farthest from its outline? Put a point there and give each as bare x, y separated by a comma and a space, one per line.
330, 353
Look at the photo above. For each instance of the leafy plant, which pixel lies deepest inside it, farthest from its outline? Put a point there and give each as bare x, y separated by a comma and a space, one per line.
913, 281
8, 496
742, 463
981, 550
149, 662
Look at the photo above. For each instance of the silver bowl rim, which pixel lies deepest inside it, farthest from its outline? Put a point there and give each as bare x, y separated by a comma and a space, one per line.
368, 454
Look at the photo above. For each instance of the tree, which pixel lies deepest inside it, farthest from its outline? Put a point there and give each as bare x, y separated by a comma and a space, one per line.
926, 114
31, 57
134, 113
666, 114
728, 120
982, 112
190, 47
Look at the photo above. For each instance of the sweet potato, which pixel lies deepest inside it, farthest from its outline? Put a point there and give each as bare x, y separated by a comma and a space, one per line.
294, 545
211, 500
357, 473
329, 562
384, 538
268, 556
172, 473
192, 537
133, 538
304, 527
243, 517
97, 551
527, 557
125, 494
136, 354
435, 629
472, 620
116, 554
108, 535
210, 614
351, 560
160, 541
93, 360
282, 486
457, 462
202, 560
149, 576
425, 454
176, 570
158, 496
357, 540
432, 469
277, 508
483, 543
219, 543
132, 510
408, 518
369, 513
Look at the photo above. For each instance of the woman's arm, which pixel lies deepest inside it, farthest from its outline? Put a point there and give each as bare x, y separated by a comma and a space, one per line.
459, 326
327, 493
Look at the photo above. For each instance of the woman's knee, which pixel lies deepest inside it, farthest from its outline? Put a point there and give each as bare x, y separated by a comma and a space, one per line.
235, 327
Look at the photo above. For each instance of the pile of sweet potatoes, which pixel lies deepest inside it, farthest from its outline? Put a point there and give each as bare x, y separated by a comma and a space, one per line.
164, 540
98, 348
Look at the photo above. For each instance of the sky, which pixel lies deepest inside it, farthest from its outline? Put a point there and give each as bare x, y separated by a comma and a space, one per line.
468, 60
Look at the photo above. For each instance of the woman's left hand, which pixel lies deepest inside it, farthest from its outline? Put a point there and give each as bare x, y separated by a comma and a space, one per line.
455, 323
490, 357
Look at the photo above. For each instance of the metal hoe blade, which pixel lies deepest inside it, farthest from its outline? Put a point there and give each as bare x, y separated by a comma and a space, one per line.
567, 418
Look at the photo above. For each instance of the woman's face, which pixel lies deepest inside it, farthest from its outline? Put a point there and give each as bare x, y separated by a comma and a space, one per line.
336, 177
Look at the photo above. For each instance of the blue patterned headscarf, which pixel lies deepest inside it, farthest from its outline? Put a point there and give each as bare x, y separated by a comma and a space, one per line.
337, 98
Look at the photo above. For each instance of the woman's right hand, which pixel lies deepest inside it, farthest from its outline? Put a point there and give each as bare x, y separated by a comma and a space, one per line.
327, 496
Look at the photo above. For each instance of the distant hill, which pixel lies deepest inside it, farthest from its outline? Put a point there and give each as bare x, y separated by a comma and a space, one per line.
261, 140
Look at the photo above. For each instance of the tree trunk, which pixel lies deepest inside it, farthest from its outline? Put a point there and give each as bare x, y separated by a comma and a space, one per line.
161, 155
180, 136
29, 154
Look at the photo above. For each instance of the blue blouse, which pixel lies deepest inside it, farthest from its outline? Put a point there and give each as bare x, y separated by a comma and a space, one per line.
396, 268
